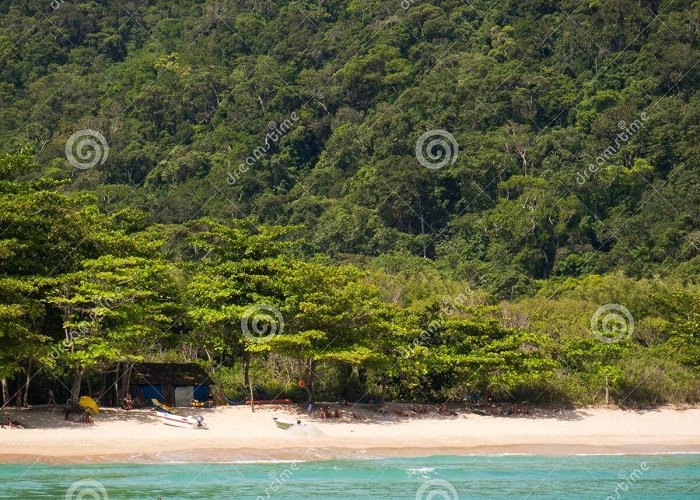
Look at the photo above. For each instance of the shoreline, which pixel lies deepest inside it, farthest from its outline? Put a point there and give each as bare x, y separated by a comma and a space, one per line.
248, 456
236, 435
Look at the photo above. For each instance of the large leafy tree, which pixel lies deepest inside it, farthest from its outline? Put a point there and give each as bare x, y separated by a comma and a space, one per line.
44, 234
331, 316
114, 309
471, 350
232, 268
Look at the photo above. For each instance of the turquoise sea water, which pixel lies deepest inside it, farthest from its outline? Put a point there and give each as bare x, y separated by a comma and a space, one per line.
436, 478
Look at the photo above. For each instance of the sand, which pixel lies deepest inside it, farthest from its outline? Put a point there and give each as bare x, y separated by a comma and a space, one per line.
235, 434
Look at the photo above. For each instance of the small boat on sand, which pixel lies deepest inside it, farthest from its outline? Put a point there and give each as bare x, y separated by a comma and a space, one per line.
162, 407
188, 422
285, 424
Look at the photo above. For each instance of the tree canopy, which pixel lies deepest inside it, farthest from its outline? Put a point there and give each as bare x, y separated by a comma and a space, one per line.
242, 184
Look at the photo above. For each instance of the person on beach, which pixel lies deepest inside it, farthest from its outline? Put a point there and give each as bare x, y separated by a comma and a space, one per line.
50, 399
474, 397
126, 405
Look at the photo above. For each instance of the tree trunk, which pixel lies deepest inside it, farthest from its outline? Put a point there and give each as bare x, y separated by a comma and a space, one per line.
75, 389
382, 387
116, 385
309, 382
103, 388
5, 393
246, 369
26, 386
246, 379
309, 393
126, 380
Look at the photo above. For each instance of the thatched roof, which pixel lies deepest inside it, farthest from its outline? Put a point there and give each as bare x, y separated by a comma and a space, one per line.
169, 374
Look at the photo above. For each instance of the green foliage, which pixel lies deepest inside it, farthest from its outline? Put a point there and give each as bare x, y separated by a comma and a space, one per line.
184, 94
114, 309
552, 208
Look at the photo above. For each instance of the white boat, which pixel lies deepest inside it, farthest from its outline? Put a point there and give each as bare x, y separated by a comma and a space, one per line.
188, 422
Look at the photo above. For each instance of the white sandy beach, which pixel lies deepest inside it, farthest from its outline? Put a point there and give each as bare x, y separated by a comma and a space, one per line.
236, 434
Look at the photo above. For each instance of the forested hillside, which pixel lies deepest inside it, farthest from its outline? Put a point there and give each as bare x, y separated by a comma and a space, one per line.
256, 151
533, 92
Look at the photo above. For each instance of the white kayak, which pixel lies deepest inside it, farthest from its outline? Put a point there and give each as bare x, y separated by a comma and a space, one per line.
188, 422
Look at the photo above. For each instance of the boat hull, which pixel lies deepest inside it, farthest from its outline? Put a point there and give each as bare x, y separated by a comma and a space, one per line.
283, 424
188, 422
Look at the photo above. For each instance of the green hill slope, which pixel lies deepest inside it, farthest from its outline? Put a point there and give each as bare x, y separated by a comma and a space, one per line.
576, 123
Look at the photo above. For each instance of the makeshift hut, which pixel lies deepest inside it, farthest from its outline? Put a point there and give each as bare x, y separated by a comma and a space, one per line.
175, 384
